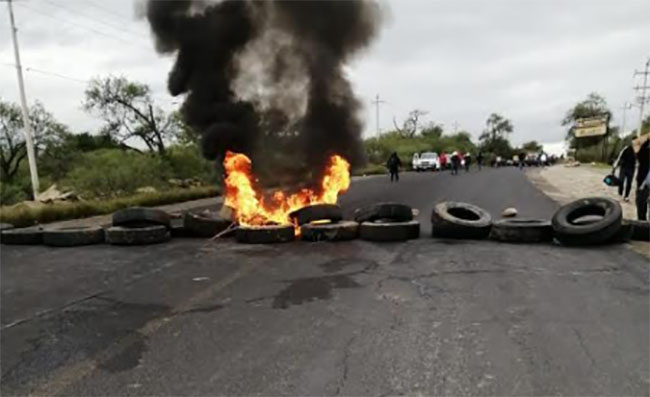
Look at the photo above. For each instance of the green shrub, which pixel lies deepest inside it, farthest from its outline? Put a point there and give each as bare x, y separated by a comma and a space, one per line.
371, 169
186, 162
11, 193
111, 173
22, 215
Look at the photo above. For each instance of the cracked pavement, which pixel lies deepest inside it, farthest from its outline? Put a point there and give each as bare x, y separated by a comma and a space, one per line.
424, 317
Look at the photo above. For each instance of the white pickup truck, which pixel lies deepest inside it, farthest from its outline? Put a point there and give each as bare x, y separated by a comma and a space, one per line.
426, 161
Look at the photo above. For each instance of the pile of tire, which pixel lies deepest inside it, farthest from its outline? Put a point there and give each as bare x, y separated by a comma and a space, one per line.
139, 226
456, 220
385, 222
595, 221
324, 222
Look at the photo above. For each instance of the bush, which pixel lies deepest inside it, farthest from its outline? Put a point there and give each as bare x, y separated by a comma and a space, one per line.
11, 193
186, 162
109, 173
22, 215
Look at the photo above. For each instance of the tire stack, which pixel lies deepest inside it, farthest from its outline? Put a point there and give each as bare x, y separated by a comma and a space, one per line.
139, 226
324, 222
387, 222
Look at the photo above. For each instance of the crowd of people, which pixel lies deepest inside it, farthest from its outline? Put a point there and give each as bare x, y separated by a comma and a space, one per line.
635, 158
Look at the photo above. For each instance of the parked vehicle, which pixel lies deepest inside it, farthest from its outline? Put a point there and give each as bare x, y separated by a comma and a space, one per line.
427, 161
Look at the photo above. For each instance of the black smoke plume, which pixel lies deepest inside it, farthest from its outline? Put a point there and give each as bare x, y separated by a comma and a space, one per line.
267, 78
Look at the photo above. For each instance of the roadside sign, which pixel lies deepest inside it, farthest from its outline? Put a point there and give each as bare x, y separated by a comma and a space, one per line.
592, 126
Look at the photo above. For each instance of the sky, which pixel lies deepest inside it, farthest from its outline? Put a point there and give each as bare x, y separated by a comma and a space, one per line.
458, 60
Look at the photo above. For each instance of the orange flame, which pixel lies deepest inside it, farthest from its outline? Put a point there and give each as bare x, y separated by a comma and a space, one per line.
251, 208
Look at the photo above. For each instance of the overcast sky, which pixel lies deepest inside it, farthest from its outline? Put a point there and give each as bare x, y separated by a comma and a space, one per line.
529, 60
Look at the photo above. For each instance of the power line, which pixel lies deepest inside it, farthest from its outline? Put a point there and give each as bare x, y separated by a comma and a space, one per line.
83, 27
106, 10
121, 29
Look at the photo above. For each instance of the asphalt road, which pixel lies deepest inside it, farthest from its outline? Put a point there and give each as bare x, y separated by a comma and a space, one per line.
429, 317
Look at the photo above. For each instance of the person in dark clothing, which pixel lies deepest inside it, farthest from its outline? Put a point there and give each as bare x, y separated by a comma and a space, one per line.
455, 163
627, 161
643, 190
479, 160
468, 161
522, 159
393, 165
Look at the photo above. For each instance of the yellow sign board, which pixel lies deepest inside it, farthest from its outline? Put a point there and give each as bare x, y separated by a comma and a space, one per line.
593, 126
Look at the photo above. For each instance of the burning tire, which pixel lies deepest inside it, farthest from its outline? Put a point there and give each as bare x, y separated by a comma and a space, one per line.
267, 234
569, 230
522, 230
120, 235
389, 231
140, 217
199, 225
22, 236
393, 211
640, 230
451, 219
317, 212
6, 226
73, 236
337, 231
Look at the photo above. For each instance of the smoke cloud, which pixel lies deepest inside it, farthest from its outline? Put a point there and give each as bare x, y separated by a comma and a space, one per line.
267, 78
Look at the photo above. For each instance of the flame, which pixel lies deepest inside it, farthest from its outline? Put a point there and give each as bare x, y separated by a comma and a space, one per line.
251, 208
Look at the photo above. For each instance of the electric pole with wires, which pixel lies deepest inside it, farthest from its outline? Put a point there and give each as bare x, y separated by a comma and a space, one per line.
27, 125
377, 102
642, 88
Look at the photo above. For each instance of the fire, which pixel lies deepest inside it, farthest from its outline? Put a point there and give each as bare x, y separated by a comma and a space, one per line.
252, 208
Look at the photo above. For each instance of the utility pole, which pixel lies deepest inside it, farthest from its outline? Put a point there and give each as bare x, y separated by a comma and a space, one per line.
625, 107
643, 97
27, 125
455, 127
377, 102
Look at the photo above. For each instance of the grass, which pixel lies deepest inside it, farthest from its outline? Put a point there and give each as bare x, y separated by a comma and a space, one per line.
21, 215
371, 169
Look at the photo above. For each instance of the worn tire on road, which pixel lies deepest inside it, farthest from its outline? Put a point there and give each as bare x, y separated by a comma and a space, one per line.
199, 225
268, 234
140, 217
569, 232
393, 211
6, 226
640, 230
23, 236
317, 212
522, 231
389, 231
73, 236
336, 231
120, 235
450, 219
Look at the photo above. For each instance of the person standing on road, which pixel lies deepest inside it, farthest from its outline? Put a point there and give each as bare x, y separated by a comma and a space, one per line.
393, 165
627, 161
522, 158
468, 161
479, 160
455, 163
443, 161
642, 180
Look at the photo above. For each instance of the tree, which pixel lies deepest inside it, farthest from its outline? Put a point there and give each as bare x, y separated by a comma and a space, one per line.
129, 112
13, 150
410, 125
532, 146
432, 130
494, 138
595, 105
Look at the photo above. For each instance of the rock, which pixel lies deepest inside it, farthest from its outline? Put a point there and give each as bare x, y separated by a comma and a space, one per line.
509, 212
146, 189
53, 194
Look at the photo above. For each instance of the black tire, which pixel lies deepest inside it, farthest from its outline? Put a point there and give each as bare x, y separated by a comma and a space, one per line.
451, 219
140, 217
177, 228
522, 231
389, 231
6, 226
569, 232
199, 225
73, 236
22, 236
337, 231
317, 212
393, 211
120, 235
640, 230
269, 234
625, 233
